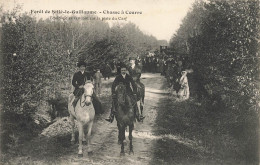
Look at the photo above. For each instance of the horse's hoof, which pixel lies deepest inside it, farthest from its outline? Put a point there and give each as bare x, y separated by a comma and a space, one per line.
80, 155
90, 153
131, 152
122, 154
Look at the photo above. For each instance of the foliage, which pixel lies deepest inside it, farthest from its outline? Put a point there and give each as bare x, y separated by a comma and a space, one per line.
221, 39
39, 58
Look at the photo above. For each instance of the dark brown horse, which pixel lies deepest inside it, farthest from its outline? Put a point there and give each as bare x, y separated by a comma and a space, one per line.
124, 116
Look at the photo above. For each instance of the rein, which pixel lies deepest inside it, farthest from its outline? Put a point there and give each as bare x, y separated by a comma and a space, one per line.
84, 100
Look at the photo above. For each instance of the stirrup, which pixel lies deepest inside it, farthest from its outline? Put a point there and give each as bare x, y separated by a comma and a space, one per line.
74, 103
110, 119
140, 118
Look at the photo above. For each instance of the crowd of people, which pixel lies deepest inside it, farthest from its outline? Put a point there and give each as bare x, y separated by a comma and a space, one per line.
153, 64
172, 69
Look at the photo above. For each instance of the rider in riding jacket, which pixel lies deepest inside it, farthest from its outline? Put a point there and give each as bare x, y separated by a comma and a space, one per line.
134, 69
78, 81
127, 80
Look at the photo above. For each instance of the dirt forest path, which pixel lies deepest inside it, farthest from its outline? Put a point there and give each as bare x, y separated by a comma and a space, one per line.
167, 135
57, 149
104, 141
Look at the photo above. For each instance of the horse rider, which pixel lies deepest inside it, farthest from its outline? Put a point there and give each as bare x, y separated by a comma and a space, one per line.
135, 71
127, 80
78, 81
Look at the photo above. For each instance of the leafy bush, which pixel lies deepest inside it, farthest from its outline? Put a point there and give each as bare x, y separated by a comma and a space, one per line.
221, 40
39, 58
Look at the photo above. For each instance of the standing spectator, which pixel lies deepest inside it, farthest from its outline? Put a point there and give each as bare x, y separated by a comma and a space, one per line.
177, 75
157, 65
144, 64
184, 92
118, 67
170, 72
114, 67
97, 81
107, 71
138, 60
149, 64
153, 65
164, 66
161, 63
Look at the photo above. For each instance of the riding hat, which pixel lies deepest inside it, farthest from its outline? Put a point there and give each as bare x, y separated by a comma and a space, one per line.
122, 65
80, 63
132, 58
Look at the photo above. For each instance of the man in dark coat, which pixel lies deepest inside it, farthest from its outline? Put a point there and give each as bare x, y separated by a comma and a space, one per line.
134, 69
118, 67
127, 80
78, 81
107, 71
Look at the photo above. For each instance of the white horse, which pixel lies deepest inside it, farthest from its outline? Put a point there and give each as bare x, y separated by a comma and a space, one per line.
84, 113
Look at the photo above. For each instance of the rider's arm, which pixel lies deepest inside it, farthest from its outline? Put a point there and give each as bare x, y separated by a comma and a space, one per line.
115, 83
74, 81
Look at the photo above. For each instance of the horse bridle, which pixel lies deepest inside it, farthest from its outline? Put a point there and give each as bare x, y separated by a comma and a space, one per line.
124, 94
85, 96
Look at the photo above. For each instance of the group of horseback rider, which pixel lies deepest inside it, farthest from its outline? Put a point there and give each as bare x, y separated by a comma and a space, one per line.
129, 80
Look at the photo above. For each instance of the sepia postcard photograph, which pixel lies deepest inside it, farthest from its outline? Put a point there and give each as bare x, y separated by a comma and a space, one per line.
129, 82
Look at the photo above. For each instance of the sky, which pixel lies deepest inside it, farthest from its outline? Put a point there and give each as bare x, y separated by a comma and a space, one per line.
160, 18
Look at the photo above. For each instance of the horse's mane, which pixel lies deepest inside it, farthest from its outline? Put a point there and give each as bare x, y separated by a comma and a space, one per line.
88, 84
127, 102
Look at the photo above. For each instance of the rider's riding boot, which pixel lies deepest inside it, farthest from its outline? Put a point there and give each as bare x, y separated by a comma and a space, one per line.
137, 114
112, 113
74, 103
111, 117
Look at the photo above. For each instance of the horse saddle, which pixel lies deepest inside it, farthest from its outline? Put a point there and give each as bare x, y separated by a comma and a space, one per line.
77, 94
